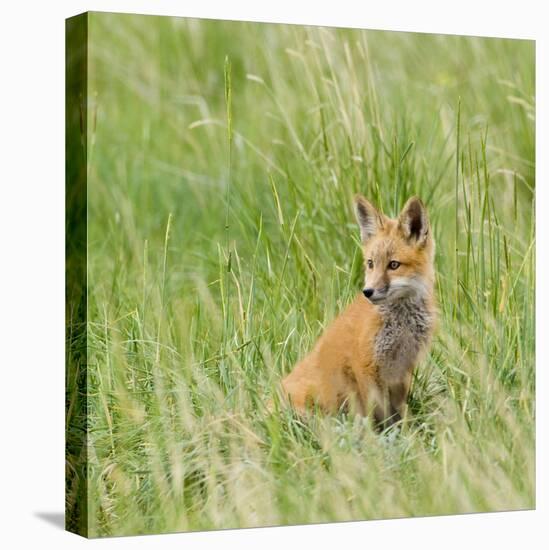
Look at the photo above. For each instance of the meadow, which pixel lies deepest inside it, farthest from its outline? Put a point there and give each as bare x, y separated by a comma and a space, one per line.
222, 162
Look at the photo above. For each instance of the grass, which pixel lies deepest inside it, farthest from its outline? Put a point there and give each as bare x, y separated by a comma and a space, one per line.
222, 161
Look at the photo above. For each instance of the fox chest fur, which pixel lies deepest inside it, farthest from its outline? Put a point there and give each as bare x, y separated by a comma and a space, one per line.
404, 333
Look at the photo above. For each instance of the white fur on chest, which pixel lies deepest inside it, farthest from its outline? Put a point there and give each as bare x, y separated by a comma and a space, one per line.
405, 332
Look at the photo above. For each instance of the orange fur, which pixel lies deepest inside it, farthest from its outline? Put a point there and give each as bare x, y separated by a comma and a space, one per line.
359, 362
341, 366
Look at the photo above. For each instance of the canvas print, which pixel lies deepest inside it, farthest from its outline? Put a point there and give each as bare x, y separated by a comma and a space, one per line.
300, 274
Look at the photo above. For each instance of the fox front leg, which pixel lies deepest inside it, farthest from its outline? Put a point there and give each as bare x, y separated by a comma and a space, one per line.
390, 406
398, 395
382, 407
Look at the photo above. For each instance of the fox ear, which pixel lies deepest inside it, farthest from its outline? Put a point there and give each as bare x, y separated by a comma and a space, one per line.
369, 219
413, 221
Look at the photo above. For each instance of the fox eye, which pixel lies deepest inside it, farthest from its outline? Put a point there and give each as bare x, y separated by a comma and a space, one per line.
394, 265
370, 264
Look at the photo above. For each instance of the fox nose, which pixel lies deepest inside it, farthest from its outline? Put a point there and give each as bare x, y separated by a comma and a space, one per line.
368, 292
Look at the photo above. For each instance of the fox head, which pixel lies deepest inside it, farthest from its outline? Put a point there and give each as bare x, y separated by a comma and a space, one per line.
398, 253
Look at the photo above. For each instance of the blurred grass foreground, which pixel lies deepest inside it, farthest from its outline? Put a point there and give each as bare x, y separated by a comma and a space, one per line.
219, 164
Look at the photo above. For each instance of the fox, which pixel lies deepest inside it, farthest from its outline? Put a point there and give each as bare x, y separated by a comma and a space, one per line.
365, 359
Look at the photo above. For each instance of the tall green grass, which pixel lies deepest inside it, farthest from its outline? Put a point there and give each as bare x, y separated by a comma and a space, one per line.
223, 158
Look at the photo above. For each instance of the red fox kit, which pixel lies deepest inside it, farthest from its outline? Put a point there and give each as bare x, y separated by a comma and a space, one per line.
366, 357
